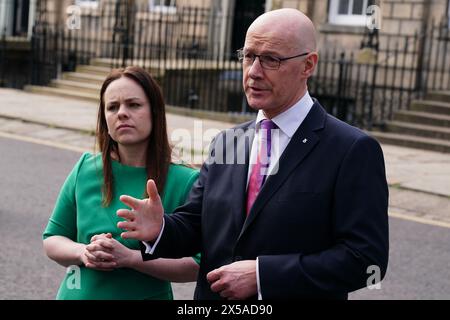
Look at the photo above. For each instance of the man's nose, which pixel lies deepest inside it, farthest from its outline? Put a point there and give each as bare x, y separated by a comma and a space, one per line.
256, 70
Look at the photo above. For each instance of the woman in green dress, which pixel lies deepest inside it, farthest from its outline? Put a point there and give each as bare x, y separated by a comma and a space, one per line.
82, 232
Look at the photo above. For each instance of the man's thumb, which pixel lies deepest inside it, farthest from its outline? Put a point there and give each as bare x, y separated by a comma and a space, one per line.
152, 190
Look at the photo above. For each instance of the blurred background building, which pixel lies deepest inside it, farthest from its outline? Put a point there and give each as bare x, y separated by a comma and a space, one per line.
384, 65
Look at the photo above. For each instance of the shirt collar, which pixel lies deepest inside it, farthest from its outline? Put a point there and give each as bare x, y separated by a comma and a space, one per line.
289, 120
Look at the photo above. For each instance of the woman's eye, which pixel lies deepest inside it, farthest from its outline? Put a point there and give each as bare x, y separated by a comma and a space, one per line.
111, 107
135, 105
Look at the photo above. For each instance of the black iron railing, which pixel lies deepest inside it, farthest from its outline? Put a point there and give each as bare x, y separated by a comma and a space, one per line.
190, 53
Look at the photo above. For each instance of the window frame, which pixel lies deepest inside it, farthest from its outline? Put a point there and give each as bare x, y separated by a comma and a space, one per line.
87, 3
347, 19
168, 9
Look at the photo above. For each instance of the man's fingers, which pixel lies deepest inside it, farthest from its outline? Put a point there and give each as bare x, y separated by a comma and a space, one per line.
126, 214
213, 276
133, 203
217, 286
152, 190
125, 225
130, 235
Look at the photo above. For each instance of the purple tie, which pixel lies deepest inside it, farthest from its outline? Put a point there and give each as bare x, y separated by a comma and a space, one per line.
260, 168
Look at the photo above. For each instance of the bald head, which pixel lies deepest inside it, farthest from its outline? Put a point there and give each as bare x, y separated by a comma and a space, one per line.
287, 27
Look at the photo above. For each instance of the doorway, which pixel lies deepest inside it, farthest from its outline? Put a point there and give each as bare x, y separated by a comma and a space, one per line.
244, 14
21, 11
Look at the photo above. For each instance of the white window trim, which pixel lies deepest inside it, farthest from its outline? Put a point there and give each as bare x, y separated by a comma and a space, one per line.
345, 19
87, 3
172, 9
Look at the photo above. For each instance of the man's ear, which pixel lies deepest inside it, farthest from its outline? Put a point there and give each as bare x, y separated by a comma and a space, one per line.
310, 64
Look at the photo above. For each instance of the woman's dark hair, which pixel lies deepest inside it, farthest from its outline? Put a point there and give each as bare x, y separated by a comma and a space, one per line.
158, 152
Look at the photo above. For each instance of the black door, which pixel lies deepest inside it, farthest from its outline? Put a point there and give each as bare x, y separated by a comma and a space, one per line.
123, 31
244, 14
20, 18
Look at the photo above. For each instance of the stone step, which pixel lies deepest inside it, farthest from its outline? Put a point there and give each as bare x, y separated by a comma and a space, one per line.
101, 62
423, 118
155, 66
95, 70
431, 106
410, 141
420, 130
443, 96
90, 88
83, 77
74, 94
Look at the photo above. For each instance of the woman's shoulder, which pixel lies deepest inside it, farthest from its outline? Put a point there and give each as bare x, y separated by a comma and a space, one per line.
88, 162
180, 177
182, 171
89, 158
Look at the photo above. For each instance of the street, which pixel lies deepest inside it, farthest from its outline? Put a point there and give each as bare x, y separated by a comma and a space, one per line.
31, 175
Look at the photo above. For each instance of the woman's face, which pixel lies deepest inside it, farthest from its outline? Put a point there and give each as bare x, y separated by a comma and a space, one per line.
127, 113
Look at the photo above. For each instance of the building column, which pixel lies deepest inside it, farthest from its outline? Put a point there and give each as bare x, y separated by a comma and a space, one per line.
31, 17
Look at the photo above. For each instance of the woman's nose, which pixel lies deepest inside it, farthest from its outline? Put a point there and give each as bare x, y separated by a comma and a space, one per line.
123, 112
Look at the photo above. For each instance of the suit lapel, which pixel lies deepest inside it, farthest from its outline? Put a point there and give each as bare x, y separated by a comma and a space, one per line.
301, 144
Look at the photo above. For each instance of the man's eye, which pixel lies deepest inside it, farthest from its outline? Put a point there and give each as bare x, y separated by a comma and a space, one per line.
269, 59
248, 56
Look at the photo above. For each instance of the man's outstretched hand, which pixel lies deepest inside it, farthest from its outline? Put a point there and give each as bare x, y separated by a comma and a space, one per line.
144, 220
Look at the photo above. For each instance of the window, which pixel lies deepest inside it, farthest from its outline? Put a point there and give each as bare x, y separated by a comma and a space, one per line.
165, 6
349, 12
87, 3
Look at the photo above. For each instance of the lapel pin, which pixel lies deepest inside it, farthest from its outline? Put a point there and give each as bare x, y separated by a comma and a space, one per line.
305, 140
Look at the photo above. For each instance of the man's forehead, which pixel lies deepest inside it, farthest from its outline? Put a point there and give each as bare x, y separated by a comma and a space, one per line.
269, 44
269, 39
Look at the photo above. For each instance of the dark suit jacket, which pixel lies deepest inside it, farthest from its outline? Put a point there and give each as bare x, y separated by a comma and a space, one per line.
316, 225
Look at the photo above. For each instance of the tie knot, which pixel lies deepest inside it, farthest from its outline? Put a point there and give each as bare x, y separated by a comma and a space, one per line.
268, 124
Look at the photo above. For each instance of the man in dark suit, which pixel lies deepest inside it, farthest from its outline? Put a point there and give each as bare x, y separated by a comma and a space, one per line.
302, 215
